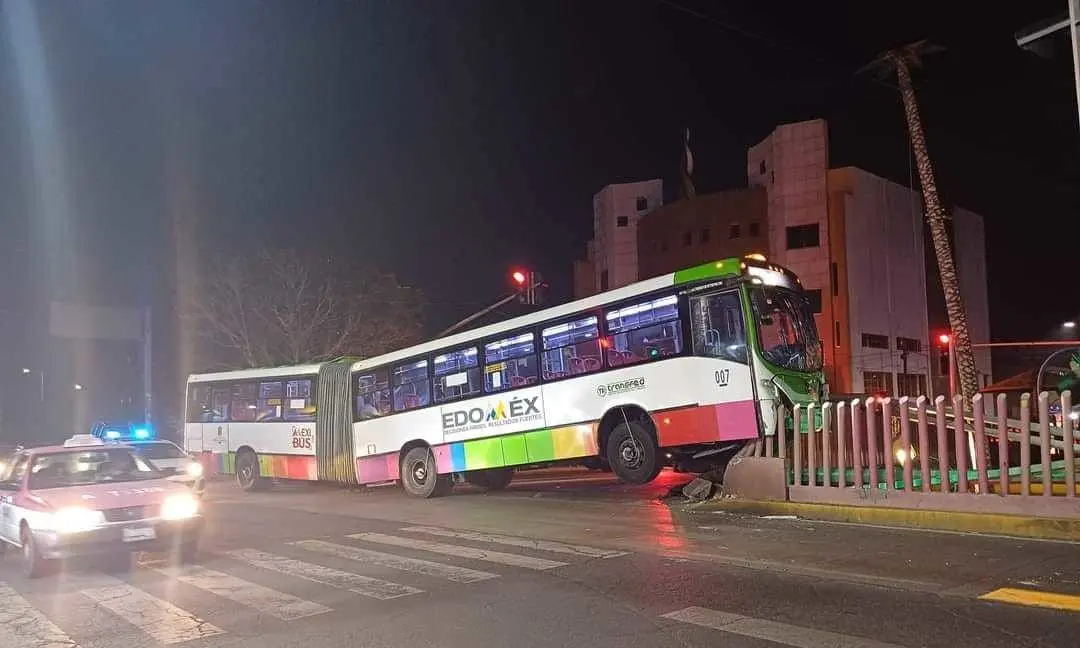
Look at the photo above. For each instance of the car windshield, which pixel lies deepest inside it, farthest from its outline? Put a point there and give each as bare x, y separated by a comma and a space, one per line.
159, 450
83, 467
786, 329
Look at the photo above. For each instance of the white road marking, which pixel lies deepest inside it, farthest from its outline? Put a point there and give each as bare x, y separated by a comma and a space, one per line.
780, 633
415, 565
23, 626
515, 541
278, 604
363, 585
460, 551
160, 619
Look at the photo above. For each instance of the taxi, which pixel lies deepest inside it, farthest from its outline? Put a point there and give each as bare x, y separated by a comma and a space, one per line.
171, 460
87, 497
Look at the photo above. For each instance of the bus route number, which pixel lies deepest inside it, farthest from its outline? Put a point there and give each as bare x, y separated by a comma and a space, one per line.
722, 376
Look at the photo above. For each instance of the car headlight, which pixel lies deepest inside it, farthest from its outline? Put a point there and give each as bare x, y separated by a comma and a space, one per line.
195, 469
179, 507
75, 519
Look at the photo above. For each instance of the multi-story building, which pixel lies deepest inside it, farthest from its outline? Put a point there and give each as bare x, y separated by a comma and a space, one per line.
612, 255
858, 243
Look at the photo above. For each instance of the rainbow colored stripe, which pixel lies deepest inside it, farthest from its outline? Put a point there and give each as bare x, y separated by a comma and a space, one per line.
553, 444
275, 466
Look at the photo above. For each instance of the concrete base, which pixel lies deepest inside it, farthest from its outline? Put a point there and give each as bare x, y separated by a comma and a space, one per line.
757, 478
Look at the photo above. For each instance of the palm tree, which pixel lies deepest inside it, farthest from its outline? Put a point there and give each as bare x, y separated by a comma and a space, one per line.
900, 61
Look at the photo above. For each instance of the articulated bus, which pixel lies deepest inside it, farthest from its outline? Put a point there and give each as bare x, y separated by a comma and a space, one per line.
682, 368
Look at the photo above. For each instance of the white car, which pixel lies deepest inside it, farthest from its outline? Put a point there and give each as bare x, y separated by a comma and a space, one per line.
171, 459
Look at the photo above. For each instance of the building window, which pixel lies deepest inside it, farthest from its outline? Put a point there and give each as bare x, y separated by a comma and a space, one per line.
814, 296
603, 280
622, 221
686, 238
644, 332
570, 349
910, 384
761, 167
412, 388
834, 277
911, 345
735, 231
642, 203
836, 333
874, 341
803, 236
755, 229
878, 383
705, 235
510, 363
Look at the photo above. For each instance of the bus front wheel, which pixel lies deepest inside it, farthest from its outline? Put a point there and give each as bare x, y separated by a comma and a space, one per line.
419, 475
633, 454
247, 472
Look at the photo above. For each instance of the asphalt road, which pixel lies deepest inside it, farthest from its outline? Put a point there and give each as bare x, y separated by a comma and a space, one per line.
561, 559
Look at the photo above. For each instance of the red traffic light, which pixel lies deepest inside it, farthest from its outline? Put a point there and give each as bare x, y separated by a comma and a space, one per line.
518, 277
944, 339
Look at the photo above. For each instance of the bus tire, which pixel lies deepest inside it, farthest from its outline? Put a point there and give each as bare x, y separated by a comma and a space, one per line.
492, 479
633, 454
247, 472
420, 476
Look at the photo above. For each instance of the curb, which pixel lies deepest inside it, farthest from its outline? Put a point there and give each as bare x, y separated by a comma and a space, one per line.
1019, 526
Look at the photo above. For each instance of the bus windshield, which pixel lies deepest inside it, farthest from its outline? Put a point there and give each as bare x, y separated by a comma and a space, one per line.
786, 329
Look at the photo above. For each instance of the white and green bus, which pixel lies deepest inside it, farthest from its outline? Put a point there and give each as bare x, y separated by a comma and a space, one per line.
682, 368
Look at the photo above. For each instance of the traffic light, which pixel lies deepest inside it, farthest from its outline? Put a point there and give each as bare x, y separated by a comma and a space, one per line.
943, 342
529, 286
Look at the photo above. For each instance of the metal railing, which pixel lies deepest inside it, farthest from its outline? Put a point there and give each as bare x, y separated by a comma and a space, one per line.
911, 452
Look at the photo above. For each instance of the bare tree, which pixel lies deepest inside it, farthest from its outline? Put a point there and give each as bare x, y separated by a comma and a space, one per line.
280, 307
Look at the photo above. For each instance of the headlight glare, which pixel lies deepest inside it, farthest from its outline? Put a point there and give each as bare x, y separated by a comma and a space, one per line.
75, 519
179, 507
195, 469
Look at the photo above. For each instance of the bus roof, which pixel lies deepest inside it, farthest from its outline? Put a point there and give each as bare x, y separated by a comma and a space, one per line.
713, 270
240, 374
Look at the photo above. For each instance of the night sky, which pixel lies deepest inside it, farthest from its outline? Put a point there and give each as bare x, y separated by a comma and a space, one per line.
447, 140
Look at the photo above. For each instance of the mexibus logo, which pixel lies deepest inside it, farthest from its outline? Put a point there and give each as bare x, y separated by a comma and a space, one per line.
502, 413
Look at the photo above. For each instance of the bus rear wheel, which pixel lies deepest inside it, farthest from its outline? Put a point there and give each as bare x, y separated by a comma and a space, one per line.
493, 479
633, 454
420, 477
247, 472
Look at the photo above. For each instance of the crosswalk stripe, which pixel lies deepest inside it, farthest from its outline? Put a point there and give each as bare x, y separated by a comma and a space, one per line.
23, 626
780, 633
515, 541
473, 553
363, 585
159, 619
415, 565
278, 604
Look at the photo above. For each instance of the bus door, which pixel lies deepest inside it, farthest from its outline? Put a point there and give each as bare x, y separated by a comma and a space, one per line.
717, 326
207, 429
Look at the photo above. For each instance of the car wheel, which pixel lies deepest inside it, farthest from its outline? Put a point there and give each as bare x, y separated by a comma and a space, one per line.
34, 565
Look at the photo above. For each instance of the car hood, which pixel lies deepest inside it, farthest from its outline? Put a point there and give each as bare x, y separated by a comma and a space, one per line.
111, 495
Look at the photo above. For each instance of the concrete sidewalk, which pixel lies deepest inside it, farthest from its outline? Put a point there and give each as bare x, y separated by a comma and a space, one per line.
1020, 526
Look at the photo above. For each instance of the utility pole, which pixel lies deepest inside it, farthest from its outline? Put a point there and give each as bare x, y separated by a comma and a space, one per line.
528, 289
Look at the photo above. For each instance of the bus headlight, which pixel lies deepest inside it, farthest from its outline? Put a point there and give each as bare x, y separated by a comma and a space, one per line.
195, 469
75, 519
179, 507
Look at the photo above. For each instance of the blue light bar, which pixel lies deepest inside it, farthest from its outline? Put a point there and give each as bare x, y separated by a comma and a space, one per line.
142, 433
112, 434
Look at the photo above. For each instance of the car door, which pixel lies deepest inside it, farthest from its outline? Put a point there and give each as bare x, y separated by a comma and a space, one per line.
10, 481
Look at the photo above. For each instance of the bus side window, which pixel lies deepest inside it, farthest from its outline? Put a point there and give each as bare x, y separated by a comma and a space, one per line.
373, 394
572, 348
299, 400
457, 374
270, 401
510, 363
219, 405
244, 402
412, 388
645, 331
199, 409
717, 324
